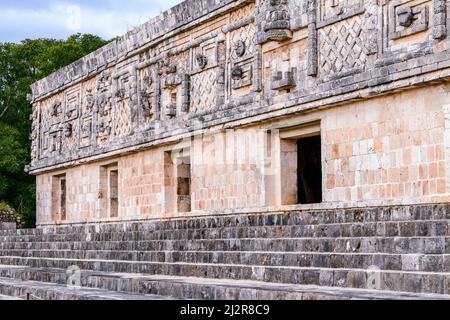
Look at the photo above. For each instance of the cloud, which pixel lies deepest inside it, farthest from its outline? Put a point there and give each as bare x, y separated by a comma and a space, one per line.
58, 19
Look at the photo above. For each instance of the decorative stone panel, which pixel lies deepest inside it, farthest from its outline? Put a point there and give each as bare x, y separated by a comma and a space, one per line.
408, 17
204, 90
342, 46
332, 10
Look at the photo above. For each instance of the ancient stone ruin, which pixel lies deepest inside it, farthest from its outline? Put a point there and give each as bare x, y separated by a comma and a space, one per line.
296, 142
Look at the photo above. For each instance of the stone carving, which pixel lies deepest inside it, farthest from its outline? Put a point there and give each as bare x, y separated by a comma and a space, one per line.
56, 108
202, 61
406, 20
34, 135
242, 75
372, 26
170, 110
68, 128
104, 129
149, 99
405, 17
440, 19
86, 129
312, 38
336, 9
341, 46
89, 101
186, 94
104, 82
225, 63
72, 105
278, 23
104, 104
203, 90
239, 48
237, 73
284, 81
123, 109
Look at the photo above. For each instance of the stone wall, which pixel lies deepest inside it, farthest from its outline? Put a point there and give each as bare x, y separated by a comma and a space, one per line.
388, 150
217, 84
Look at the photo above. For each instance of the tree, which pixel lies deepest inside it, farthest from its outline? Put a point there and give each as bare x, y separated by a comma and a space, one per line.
21, 64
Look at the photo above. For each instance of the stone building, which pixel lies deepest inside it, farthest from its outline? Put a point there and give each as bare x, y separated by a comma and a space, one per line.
223, 105
262, 108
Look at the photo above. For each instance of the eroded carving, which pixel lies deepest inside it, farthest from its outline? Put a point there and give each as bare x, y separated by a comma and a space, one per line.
440, 19
278, 21
202, 61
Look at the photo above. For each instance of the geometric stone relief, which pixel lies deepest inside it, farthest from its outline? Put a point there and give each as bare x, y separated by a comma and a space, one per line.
34, 135
284, 80
103, 108
242, 74
122, 108
342, 46
174, 81
440, 19
149, 95
206, 85
71, 115
312, 38
277, 21
86, 132
371, 26
204, 90
242, 57
243, 42
335, 9
408, 17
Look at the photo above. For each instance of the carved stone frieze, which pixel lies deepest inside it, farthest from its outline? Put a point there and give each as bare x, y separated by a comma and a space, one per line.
278, 21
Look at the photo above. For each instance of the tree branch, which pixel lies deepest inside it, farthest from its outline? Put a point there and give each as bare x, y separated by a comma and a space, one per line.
6, 107
4, 111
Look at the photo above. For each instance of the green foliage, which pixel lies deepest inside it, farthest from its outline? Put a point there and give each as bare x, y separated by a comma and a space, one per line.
20, 66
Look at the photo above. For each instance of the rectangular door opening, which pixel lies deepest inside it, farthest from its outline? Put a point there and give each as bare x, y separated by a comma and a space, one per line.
114, 193
59, 197
184, 184
309, 173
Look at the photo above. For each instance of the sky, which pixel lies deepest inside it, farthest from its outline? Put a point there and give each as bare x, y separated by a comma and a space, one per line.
30, 19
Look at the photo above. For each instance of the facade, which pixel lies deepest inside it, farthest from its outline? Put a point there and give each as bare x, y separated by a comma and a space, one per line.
235, 106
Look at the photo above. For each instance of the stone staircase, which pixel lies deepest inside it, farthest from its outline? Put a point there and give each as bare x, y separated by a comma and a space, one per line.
375, 253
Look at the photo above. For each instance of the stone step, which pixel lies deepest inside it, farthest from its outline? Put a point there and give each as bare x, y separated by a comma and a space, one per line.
398, 245
206, 289
33, 290
405, 281
291, 218
406, 262
419, 228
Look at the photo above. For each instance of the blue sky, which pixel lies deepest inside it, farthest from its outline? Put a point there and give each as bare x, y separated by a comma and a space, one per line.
21, 19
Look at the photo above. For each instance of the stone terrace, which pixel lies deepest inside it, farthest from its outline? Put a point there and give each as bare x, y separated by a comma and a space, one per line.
376, 253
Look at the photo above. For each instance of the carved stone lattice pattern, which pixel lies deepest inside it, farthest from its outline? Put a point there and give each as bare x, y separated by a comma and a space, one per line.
122, 123
204, 90
247, 35
242, 13
341, 46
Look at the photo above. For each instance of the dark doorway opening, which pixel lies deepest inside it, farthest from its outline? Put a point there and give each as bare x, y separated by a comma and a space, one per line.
309, 170
184, 184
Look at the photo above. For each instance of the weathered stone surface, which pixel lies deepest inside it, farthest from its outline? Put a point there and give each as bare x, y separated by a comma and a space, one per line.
220, 66
244, 252
177, 151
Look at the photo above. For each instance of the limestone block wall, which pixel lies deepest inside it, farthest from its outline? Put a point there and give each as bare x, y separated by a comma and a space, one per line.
206, 108
391, 149
387, 148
